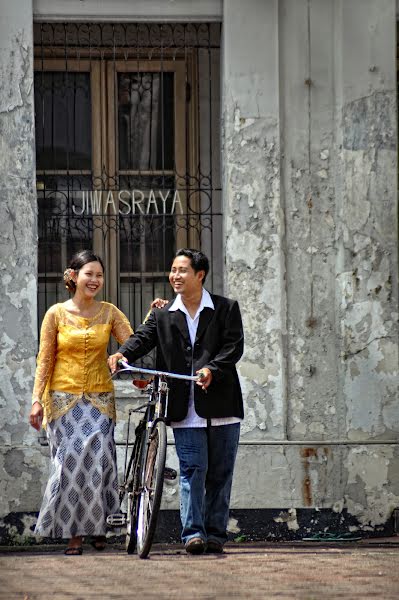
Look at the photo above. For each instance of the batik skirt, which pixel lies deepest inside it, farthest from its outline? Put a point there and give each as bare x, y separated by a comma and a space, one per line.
83, 487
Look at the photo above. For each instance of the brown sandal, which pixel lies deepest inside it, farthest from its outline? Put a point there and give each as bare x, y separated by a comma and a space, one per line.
99, 543
73, 551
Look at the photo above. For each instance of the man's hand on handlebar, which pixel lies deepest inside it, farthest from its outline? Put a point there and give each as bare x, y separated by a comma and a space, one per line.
205, 378
113, 361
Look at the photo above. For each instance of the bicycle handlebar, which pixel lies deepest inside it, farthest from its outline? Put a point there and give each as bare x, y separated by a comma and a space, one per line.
134, 369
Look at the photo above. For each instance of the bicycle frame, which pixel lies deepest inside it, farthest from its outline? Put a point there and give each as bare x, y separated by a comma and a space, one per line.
144, 472
153, 408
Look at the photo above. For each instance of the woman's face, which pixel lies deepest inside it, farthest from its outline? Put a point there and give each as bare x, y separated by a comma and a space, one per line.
90, 279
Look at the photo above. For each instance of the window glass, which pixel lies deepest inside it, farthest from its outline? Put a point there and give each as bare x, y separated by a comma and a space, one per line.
145, 121
63, 120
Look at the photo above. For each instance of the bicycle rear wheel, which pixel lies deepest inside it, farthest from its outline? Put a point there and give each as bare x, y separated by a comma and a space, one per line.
151, 490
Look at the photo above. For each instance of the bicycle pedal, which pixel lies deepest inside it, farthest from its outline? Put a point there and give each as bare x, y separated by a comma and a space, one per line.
169, 474
116, 520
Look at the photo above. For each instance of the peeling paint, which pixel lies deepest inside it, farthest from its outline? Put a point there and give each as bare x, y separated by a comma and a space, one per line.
248, 251
370, 122
371, 467
338, 506
232, 526
289, 518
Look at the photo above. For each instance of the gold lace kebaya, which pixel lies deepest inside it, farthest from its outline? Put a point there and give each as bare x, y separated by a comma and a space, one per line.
72, 360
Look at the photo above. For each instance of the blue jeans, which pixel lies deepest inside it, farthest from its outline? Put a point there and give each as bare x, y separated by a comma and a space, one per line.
206, 457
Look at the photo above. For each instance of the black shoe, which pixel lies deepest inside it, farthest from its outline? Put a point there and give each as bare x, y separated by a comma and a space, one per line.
195, 546
214, 547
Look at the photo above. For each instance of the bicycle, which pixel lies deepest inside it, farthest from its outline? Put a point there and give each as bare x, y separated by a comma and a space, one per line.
144, 472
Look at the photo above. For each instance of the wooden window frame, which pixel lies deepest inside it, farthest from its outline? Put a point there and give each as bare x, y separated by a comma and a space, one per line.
104, 121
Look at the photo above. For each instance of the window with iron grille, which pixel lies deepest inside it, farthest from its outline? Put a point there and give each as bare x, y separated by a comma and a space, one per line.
128, 153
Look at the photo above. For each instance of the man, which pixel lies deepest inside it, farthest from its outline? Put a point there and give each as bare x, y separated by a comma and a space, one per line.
198, 332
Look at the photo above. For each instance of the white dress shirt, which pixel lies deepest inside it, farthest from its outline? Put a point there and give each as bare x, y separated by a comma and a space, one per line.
193, 419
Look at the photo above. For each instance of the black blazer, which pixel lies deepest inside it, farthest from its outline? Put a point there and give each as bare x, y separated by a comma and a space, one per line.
218, 346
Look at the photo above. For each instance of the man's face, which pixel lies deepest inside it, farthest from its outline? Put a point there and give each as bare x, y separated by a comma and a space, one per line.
182, 277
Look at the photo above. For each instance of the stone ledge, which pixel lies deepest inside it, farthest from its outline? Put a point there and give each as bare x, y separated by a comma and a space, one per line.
245, 525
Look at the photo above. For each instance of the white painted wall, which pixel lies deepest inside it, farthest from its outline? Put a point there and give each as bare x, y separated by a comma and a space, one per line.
126, 10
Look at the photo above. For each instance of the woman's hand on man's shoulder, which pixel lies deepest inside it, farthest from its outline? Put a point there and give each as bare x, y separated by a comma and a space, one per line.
158, 303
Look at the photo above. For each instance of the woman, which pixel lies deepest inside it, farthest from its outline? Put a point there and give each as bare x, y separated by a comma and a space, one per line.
74, 399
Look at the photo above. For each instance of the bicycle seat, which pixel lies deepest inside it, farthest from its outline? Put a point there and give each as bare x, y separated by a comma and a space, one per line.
141, 384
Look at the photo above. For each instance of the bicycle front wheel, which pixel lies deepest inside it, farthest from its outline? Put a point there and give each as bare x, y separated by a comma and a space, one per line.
131, 485
131, 522
151, 491
133, 477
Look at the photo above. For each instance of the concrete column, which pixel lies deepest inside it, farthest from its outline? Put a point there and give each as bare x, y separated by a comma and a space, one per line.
307, 167
366, 252
253, 207
367, 217
20, 458
310, 204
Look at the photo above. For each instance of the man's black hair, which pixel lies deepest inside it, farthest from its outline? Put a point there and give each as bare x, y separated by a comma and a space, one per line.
199, 261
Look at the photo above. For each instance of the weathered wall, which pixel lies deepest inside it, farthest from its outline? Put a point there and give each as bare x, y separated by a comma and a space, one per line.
21, 462
310, 157
254, 218
310, 169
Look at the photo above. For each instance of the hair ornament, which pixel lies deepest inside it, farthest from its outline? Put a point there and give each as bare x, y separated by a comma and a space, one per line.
68, 275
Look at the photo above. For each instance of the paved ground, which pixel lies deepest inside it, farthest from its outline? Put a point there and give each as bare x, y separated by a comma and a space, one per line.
248, 571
